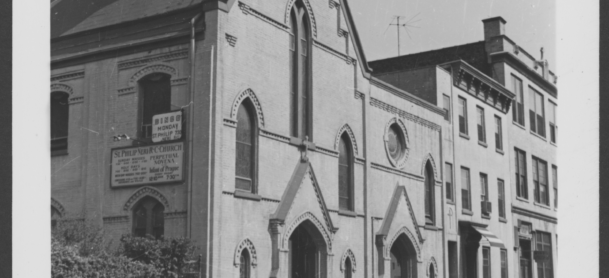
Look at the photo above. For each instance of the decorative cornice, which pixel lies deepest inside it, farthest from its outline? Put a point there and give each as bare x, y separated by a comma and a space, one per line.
163, 57
179, 81
249, 11
309, 11
346, 129
68, 75
245, 244
163, 68
525, 70
116, 219
274, 136
404, 95
175, 214
78, 99
359, 95
326, 151
391, 170
533, 214
126, 91
403, 114
143, 192
348, 59
229, 122
232, 40
348, 254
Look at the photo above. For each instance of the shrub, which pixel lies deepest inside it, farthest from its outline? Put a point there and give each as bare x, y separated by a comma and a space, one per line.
169, 255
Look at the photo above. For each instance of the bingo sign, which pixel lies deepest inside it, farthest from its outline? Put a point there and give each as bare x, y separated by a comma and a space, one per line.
167, 127
147, 165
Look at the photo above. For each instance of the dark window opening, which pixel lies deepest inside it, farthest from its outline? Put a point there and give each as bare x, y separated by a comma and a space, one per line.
449, 182
429, 194
348, 268
498, 134
345, 174
521, 174
156, 94
540, 179
518, 106
481, 125
484, 194
245, 149
396, 143
244, 264
486, 262
446, 104
465, 186
300, 61
555, 184
552, 121
501, 198
544, 262
536, 112
149, 218
504, 264
462, 116
60, 110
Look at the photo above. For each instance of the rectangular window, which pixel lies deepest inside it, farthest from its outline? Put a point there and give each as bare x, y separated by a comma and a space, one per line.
521, 174
501, 197
465, 186
462, 116
486, 262
555, 184
552, 121
518, 107
536, 112
449, 182
543, 248
481, 124
540, 179
504, 264
498, 134
447, 107
484, 193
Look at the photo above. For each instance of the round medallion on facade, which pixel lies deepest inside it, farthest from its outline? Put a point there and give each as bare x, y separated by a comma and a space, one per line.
396, 143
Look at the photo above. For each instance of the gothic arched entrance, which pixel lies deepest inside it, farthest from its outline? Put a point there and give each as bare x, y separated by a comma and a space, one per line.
307, 252
403, 258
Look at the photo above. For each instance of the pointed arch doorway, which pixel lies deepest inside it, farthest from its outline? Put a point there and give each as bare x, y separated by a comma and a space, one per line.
403, 258
307, 252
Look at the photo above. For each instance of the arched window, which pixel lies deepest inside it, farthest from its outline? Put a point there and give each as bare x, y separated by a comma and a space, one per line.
244, 264
432, 271
300, 60
429, 194
345, 174
348, 268
245, 151
59, 121
149, 218
156, 99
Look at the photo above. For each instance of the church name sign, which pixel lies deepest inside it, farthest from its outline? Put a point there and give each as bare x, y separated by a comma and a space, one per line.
147, 165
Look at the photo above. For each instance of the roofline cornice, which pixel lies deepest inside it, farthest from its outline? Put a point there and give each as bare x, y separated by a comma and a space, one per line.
525, 70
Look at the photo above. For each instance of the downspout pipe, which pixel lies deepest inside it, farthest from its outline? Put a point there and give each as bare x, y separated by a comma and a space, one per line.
191, 125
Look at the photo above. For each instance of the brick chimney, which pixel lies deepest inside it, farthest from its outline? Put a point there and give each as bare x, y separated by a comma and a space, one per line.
494, 26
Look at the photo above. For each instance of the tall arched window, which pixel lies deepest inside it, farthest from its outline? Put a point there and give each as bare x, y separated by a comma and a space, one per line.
60, 111
345, 174
244, 264
245, 151
149, 218
429, 194
348, 268
300, 60
156, 99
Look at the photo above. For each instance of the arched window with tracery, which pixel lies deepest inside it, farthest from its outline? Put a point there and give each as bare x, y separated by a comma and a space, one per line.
244, 264
300, 67
149, 218
345, 174
60, 112
246, 148
429, 194
155, 99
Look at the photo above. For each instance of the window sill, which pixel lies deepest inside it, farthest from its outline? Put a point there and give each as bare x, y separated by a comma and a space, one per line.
467, 212
247, 195
485, 216
502, 219
522, 199
482, 144
500, 151
347, 213
542, 205
451, 202
519, 125
539, 136
59, 153
463, 135
430, 227
553, 144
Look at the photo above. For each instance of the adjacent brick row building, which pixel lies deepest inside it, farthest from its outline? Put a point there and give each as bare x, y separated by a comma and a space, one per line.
259, 130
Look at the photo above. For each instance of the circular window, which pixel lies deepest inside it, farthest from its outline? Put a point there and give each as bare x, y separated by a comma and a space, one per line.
396, 143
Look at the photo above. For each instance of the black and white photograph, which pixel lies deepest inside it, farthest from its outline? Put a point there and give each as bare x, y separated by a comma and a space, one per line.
309, 139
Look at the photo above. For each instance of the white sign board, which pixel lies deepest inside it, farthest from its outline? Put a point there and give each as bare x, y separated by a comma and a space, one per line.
167, 126
147, 165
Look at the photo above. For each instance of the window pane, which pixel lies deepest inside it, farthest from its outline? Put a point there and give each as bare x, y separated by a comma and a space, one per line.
447, 106
465, 188
344, 175
59, 115
449, 181
481, 125
462, 116
501, 194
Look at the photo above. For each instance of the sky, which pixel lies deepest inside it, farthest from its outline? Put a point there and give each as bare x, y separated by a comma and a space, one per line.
435, 24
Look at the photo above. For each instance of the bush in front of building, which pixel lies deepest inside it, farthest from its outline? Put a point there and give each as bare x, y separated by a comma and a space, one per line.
169, 255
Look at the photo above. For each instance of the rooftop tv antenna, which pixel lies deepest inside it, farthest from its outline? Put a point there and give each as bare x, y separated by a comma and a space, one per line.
408, 23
